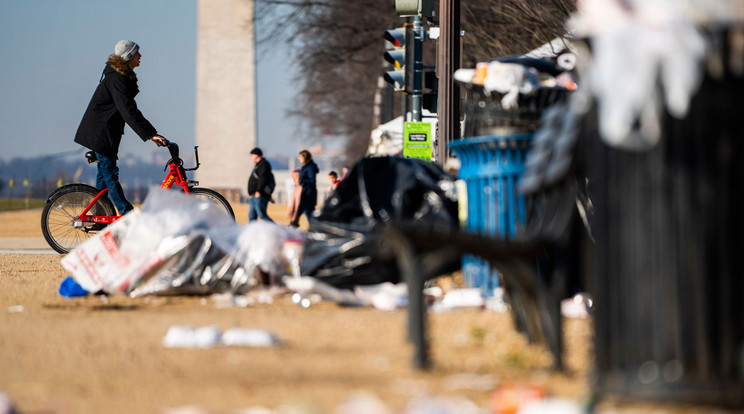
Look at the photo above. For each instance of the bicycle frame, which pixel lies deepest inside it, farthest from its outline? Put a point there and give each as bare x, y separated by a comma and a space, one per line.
176, 176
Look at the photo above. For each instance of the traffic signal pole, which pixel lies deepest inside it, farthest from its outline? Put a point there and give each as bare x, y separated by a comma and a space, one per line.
417, 65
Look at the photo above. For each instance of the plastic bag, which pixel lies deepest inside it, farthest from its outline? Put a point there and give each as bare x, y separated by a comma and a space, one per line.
176, 244
226, 259
642, 56
345, 245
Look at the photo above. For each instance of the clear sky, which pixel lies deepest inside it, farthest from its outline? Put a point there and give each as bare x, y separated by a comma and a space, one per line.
52, 53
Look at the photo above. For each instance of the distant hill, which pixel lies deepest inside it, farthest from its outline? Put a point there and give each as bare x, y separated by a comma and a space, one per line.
43, 174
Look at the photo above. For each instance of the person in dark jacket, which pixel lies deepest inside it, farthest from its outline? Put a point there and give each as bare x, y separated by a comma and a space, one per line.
111, 106
308, 181
258, 187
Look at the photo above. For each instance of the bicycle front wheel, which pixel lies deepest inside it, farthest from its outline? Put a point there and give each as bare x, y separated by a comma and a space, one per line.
61, 210
215, 197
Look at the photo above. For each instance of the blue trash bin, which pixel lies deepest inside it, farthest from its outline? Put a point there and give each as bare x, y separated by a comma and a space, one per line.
491, 167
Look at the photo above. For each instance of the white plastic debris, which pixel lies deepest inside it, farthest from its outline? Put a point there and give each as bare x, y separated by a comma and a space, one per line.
253, 298
579, 306
384, 296
181, 336
306, 286
462, 298
91, 262
15, 309
551, 406
249, 337
511, 80
180, 244
189, 337
633, 48
498, 302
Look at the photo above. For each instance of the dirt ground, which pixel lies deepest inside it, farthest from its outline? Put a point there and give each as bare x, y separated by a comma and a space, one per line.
104, 354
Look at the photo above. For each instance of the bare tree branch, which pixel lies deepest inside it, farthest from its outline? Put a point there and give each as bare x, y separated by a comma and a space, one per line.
338, 48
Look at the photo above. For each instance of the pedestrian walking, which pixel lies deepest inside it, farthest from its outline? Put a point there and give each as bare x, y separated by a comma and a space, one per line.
111, 106
308, 175
293, 209
260, 186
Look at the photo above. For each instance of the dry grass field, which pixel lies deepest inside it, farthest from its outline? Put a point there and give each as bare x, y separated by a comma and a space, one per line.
104, 354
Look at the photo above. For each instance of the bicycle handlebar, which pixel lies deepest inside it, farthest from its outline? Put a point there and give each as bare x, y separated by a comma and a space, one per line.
173, 149
196, 155
174, 153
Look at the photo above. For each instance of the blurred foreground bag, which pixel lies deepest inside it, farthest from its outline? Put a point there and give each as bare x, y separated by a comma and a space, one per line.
344, 246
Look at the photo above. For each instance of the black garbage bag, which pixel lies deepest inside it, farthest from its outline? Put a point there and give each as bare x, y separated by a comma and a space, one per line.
344, 245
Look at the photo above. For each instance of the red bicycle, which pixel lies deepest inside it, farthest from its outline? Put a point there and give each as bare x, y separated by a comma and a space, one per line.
75, 212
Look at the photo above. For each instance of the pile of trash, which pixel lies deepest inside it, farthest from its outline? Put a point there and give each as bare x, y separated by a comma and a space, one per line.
345, 244
509, 94
180, 245
176, 244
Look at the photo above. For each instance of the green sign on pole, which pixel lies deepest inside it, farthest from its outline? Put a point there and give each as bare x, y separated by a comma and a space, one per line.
417, 140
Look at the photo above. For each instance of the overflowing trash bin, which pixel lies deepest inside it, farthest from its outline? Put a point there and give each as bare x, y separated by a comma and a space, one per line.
503, 103
491, 167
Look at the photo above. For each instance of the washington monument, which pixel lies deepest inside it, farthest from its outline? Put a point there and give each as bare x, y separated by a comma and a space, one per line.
225, 94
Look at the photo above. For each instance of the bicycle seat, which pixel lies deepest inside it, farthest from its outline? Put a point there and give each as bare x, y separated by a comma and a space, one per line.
91, 156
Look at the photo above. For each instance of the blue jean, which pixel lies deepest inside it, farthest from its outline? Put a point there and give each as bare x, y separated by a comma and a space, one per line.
108, 177
307, 202
307, 211
257, 208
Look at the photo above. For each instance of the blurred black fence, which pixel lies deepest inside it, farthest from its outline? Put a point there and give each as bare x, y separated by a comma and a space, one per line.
666, 277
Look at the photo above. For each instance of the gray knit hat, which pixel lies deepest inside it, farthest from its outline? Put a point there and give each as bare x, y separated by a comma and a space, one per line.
126, 49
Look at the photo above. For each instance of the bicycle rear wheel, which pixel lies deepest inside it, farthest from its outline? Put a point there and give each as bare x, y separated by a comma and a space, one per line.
61, 210
215, 197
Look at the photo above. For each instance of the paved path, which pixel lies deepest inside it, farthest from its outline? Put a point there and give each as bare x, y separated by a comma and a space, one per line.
25, 245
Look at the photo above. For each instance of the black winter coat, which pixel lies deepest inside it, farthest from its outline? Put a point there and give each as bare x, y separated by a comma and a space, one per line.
112, 104
259, 178
308, 181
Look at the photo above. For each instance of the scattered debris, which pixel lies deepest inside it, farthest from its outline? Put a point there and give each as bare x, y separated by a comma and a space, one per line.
181, 336
71, 289
460, 298
579, 306
15, 309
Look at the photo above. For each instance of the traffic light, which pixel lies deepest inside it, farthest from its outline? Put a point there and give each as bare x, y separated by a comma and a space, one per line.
406, 57
397, 57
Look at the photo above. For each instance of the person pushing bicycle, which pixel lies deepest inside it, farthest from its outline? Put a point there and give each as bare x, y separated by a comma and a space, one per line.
111, 106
